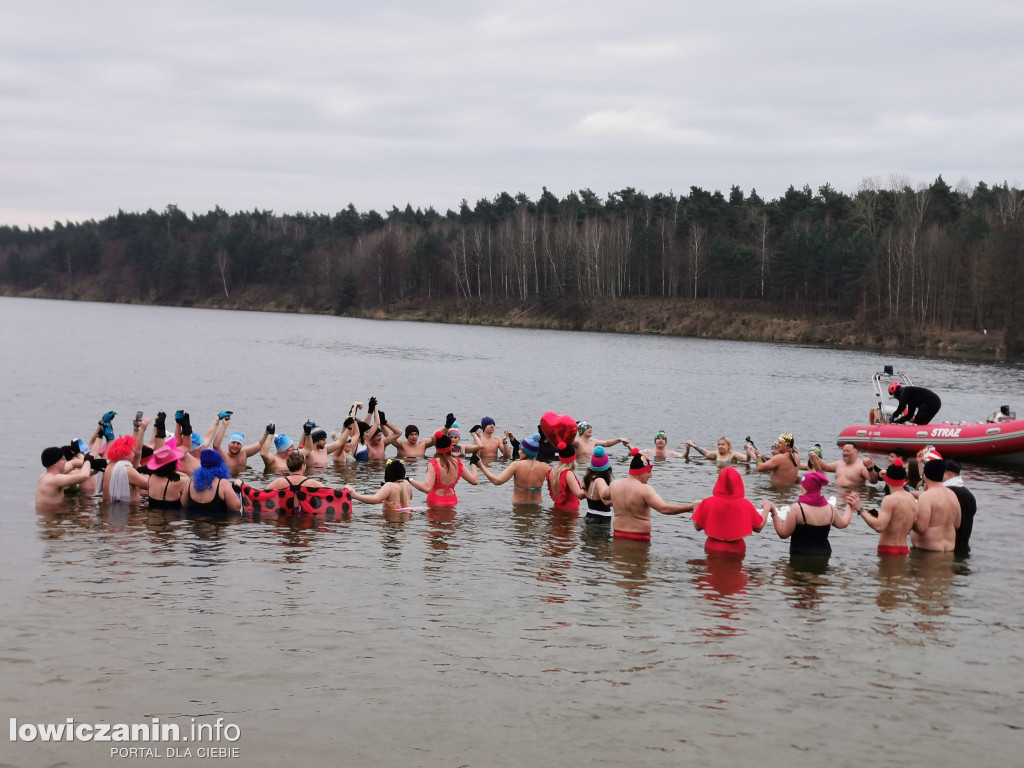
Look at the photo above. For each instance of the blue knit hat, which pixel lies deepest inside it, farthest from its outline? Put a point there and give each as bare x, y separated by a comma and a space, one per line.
599, 462
530, 445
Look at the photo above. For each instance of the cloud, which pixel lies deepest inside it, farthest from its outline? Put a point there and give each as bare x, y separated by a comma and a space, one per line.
318, 104
639, 125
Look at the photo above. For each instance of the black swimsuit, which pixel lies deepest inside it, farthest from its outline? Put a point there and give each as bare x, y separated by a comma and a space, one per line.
598, 512
810, 539
215, 506
155, 503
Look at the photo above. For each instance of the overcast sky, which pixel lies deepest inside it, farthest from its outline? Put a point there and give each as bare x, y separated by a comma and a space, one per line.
309, 106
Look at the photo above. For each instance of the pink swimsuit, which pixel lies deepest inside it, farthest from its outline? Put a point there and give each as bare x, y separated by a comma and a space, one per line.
443, 495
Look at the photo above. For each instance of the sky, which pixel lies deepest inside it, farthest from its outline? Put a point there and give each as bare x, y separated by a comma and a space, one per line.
309, 106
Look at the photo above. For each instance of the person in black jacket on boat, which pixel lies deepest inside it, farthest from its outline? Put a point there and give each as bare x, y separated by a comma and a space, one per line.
916, 405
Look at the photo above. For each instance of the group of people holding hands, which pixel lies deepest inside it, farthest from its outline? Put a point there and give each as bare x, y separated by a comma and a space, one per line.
182, 469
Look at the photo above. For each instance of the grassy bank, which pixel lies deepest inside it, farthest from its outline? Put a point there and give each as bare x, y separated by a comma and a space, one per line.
706, 320
689, 318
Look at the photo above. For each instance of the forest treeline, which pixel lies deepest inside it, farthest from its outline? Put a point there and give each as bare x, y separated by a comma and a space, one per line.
891, 254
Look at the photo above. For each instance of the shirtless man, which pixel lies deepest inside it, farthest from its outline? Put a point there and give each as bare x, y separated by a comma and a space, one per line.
378, 442
896, 516
661, 451
632, 499
851, 472
412, 447
486, 445
585, 442
938, 512
784, 465
237, 455
277, 462
314, 445
51, 484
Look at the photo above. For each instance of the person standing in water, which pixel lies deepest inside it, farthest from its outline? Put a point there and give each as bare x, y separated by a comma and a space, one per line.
728, 517
809, 520
443, 472
529, 473
595, 484
632, 499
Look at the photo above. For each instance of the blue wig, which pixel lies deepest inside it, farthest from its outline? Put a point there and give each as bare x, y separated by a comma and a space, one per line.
212, 465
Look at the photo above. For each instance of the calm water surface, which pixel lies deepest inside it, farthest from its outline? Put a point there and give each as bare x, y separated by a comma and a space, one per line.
505, 637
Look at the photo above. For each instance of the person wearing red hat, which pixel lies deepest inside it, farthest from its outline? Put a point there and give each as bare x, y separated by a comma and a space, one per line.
916, 405
443, 472
895, 518
632, 499
727, 516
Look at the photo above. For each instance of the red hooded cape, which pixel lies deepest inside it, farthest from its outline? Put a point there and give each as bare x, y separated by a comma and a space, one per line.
727, 515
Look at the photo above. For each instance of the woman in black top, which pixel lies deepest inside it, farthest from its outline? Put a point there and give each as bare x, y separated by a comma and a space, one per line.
209, 492
809, 520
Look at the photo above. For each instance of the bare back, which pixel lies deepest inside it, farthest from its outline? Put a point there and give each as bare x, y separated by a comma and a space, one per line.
630, 498
896, 518
937, 518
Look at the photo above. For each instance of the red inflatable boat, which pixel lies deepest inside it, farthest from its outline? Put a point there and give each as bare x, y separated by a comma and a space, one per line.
1001, 436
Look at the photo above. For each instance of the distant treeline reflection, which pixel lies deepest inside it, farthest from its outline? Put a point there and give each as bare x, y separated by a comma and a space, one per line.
906, 257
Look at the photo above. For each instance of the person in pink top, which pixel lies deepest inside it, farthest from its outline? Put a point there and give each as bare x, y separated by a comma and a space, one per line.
563, 485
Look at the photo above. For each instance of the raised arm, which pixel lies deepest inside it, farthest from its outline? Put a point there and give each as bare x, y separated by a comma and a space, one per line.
218, 436
254, 448
506, 474
701, 451
818, 464
139, 433
391, 433
339, 444
265, 445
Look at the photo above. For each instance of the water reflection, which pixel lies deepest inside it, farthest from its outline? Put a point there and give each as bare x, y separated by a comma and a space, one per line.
922, 581
805, 579
630, 563
722, 582
558, 537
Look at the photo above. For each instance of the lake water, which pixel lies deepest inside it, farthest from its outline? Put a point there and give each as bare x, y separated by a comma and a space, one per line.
505, 637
